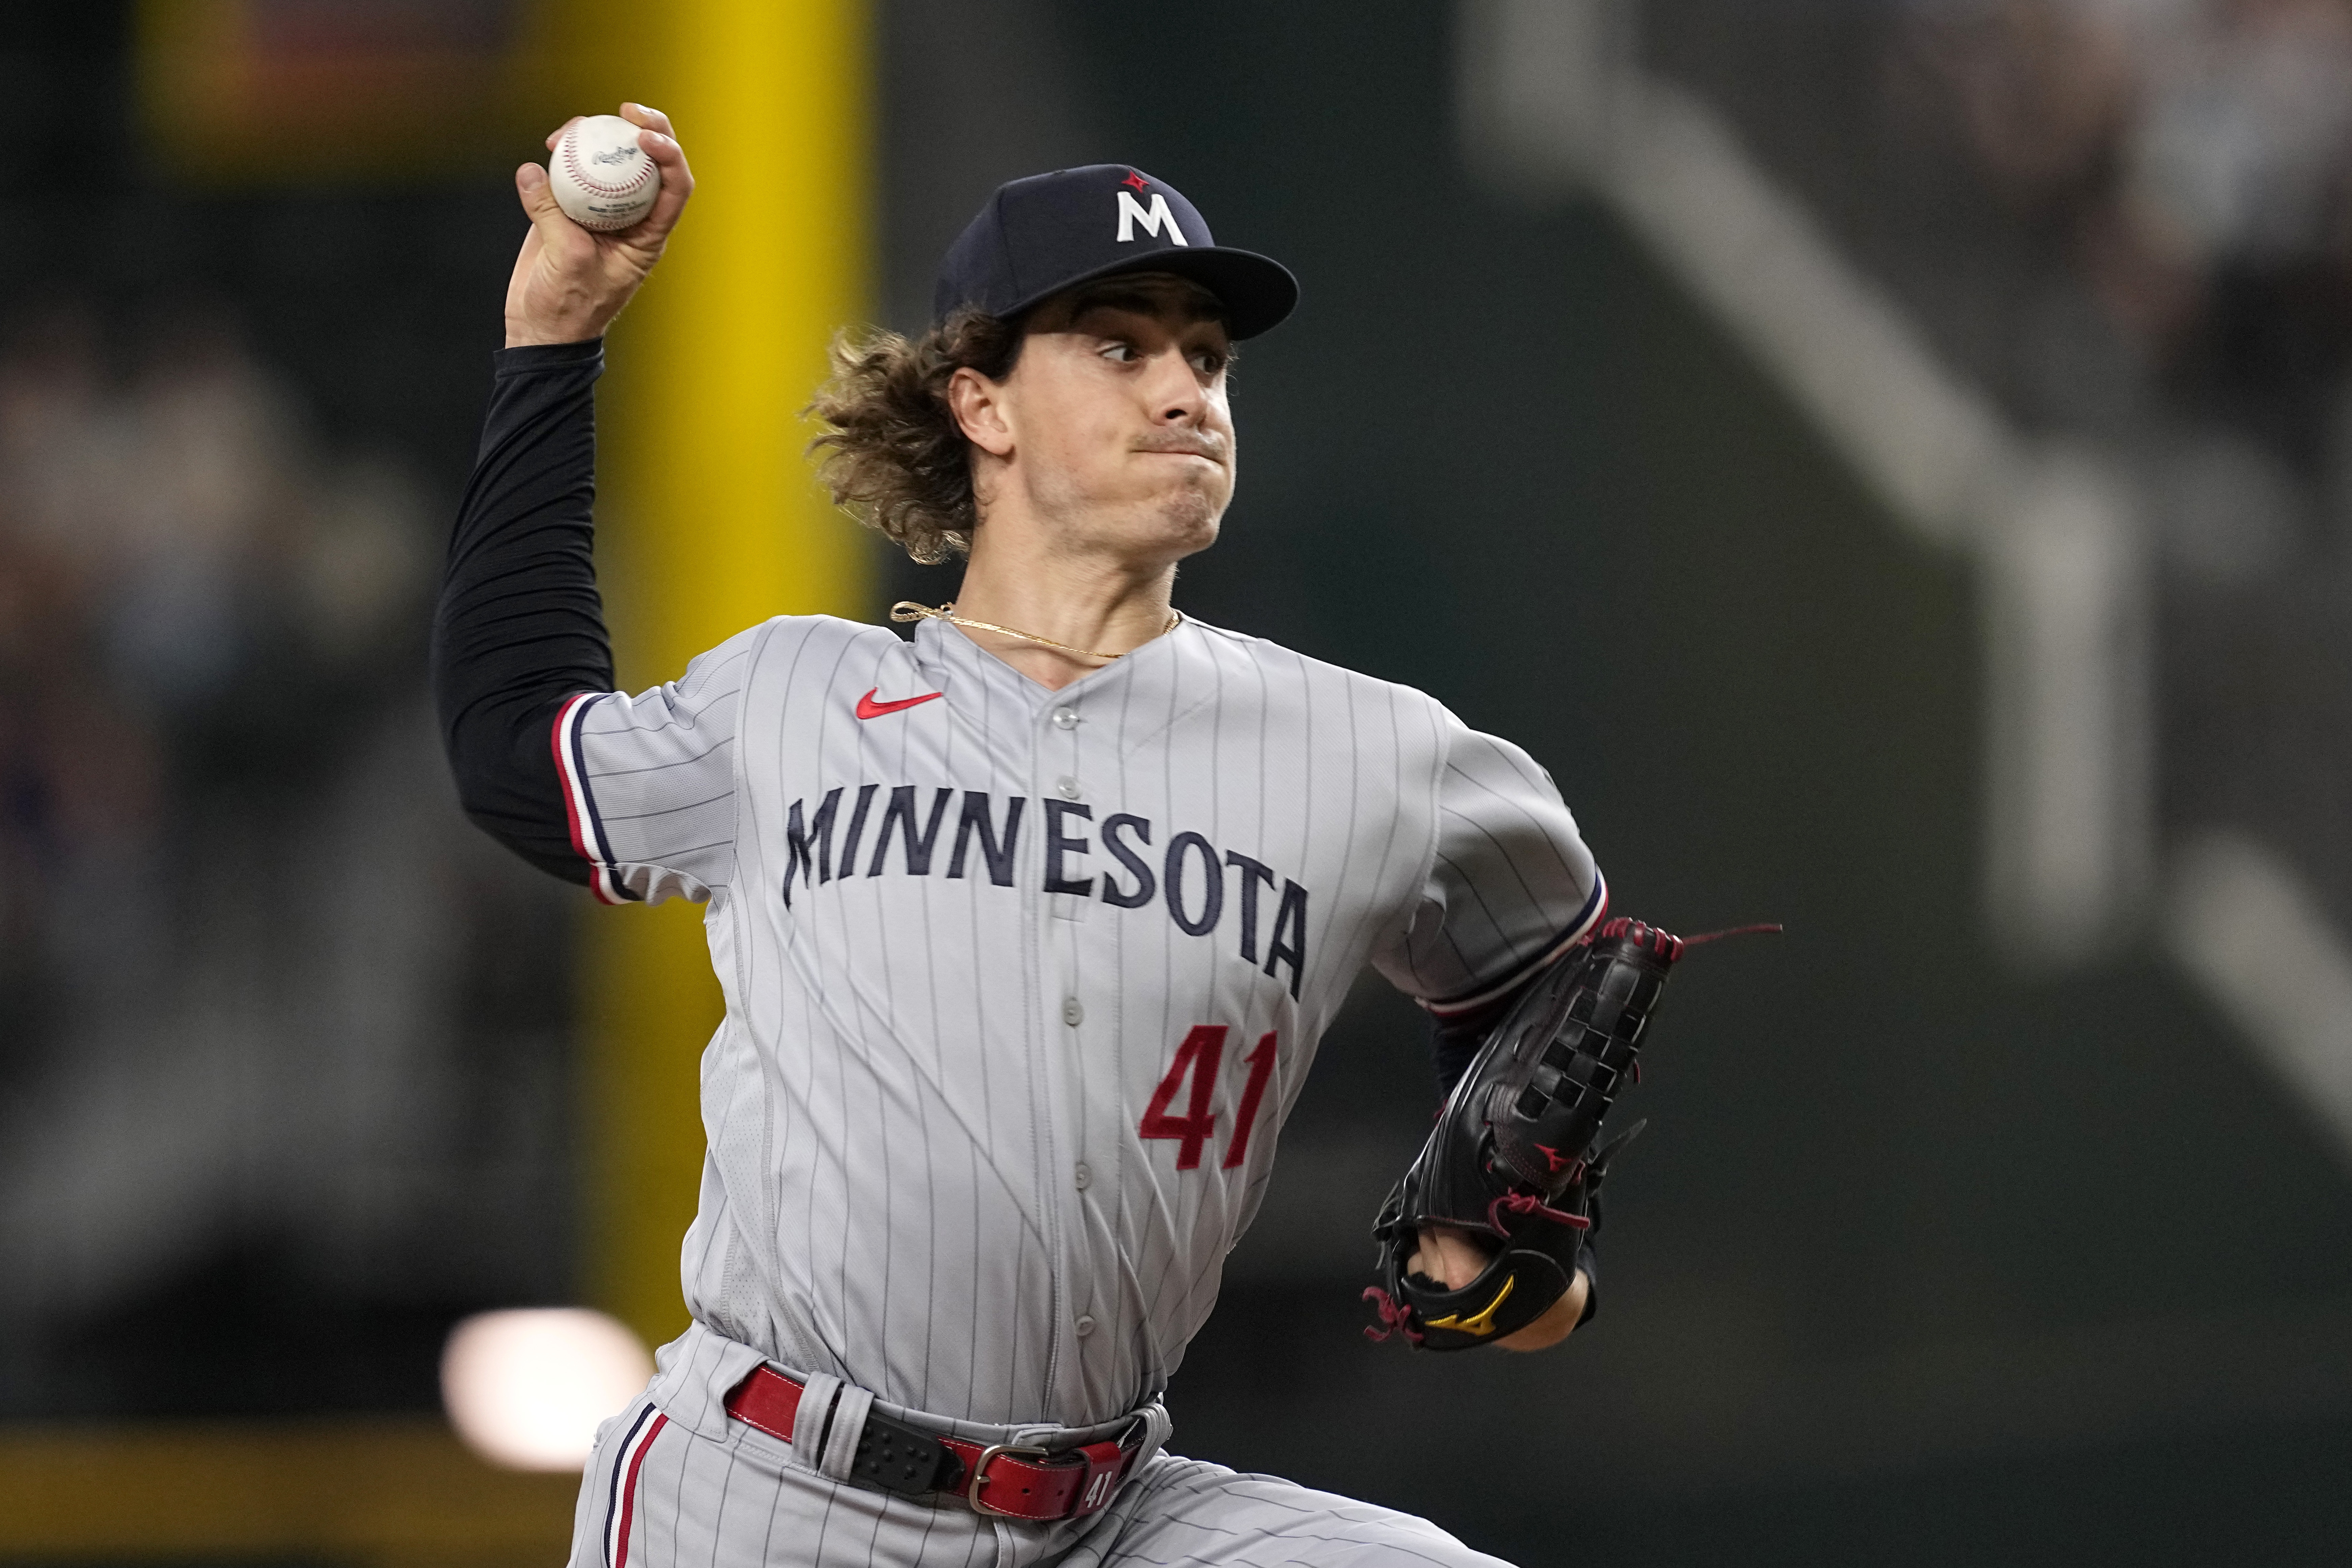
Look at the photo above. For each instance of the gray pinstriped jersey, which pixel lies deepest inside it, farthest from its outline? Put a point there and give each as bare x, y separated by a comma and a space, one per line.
1021, 984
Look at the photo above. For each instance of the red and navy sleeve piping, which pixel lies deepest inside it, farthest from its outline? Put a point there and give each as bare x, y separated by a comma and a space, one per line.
1596, 904
587, 829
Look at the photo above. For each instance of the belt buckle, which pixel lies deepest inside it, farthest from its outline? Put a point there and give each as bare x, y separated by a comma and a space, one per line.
993, 1452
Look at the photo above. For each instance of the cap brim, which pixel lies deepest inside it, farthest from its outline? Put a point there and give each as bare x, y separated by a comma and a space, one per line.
1257, 291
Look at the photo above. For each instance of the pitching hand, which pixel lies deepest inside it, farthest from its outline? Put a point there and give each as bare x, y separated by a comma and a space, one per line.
570, 282
1453, 1259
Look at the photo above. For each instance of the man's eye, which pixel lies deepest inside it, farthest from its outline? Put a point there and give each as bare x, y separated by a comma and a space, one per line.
1208, 361
1122, 352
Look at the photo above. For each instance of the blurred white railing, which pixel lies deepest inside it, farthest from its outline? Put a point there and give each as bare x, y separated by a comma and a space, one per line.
1553, 104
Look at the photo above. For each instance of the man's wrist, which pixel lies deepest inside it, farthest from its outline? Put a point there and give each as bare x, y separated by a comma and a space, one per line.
545, 337
522, 357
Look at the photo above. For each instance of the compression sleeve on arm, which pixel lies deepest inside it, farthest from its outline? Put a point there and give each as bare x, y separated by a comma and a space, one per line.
520, 627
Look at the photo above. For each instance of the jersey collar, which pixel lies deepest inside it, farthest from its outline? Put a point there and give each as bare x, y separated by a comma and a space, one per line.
950, 659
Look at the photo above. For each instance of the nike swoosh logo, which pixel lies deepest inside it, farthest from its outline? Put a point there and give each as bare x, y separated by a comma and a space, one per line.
869, 709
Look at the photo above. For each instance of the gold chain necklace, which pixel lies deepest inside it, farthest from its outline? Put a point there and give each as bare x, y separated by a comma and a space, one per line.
907, 610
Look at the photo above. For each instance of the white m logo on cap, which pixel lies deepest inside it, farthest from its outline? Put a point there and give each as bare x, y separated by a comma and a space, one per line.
1154, 218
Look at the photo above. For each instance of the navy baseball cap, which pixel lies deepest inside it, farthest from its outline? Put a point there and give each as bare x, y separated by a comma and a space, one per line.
1040, 236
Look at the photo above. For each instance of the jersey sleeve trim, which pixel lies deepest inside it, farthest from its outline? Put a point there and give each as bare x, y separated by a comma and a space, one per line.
588, 840
1595, 906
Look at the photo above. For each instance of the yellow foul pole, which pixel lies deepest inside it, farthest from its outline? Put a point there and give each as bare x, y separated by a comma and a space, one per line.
709, 517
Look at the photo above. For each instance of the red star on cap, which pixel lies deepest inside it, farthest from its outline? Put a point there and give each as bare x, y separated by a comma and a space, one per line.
1138, 180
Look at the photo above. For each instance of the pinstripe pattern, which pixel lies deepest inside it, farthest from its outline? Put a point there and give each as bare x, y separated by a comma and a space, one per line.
1185, 1513
650, 779
1595, 906
738, 1499
956, 973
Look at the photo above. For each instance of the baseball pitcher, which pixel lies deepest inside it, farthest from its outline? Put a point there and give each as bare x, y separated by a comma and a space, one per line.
1028, 924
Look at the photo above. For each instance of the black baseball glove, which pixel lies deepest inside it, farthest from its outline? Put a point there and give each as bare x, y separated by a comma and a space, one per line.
1512, 1160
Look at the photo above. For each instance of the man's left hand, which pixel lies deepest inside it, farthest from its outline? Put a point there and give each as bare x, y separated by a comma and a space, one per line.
1453, 1259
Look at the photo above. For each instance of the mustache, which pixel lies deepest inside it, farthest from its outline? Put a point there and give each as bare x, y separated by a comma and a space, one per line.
1206, 444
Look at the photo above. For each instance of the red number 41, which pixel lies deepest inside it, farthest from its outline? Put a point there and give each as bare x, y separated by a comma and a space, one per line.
1198, 1059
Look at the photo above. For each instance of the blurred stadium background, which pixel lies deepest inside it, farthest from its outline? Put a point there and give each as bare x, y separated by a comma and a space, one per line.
1891, 459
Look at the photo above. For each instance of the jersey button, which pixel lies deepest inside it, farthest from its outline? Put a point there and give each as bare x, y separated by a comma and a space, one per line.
1065, 718
1073, 1012
1067, 786
1084, 1325
1085, 1177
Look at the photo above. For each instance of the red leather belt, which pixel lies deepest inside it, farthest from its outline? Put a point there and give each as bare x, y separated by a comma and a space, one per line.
1006, 1479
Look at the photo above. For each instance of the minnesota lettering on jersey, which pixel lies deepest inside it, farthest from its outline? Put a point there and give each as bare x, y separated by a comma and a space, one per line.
1188, 880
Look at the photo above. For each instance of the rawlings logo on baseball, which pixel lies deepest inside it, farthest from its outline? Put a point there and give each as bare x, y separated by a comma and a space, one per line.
601, 178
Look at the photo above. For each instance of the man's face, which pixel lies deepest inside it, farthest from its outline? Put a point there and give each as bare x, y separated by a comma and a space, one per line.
1115, 423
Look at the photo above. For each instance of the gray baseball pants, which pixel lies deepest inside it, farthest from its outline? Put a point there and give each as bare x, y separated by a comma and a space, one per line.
658, 1494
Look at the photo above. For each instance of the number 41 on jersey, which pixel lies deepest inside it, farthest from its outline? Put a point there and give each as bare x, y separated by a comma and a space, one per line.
1198, 1059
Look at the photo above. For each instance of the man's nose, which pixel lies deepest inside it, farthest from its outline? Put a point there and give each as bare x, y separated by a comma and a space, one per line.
1175, 391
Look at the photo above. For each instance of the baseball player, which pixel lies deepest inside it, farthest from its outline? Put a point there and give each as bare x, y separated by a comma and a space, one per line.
1027, 926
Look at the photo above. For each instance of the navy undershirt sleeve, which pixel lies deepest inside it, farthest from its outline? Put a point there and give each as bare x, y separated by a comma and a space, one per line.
519, 626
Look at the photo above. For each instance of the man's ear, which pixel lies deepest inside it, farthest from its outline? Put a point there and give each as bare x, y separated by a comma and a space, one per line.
978, 405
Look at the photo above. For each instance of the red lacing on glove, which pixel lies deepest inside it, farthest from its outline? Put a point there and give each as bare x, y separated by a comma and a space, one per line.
1667, 945
1527, 1203
1395, 1319
1762, 928
1640, 933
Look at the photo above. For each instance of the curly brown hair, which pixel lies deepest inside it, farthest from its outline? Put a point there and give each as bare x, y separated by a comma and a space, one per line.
894, 458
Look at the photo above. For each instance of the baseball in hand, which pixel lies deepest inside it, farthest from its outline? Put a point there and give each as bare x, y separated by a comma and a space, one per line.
603, 179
